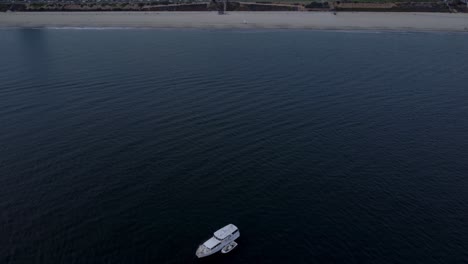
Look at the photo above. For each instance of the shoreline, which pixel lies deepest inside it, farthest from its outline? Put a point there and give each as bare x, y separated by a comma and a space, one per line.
380, 21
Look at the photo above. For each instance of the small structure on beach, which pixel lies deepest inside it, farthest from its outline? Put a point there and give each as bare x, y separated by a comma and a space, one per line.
222, 9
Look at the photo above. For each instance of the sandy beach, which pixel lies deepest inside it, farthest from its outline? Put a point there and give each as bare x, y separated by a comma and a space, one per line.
298, 20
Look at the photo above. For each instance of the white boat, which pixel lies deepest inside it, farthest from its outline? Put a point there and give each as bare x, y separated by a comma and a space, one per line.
229, 247
221, 239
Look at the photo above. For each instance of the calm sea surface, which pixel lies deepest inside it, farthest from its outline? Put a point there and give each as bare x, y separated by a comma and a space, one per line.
133, 145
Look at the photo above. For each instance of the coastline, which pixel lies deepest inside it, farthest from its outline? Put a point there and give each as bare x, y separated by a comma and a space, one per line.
238, 20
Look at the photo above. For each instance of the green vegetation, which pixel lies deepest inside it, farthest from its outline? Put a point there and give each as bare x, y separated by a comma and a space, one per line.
390, 1
269, 5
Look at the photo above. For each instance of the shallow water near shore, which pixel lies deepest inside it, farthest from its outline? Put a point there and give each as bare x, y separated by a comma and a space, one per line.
133, 146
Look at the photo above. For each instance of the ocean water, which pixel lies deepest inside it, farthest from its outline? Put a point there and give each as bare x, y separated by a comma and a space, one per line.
134, 145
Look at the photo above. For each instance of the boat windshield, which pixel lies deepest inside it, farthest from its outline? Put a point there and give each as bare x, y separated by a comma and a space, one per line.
215, 245
224, 236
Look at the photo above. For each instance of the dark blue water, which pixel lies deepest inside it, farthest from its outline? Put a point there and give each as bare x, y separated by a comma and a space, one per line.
132, 146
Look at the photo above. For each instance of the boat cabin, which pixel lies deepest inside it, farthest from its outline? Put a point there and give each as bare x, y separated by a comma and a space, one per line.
226, 232
212, 243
